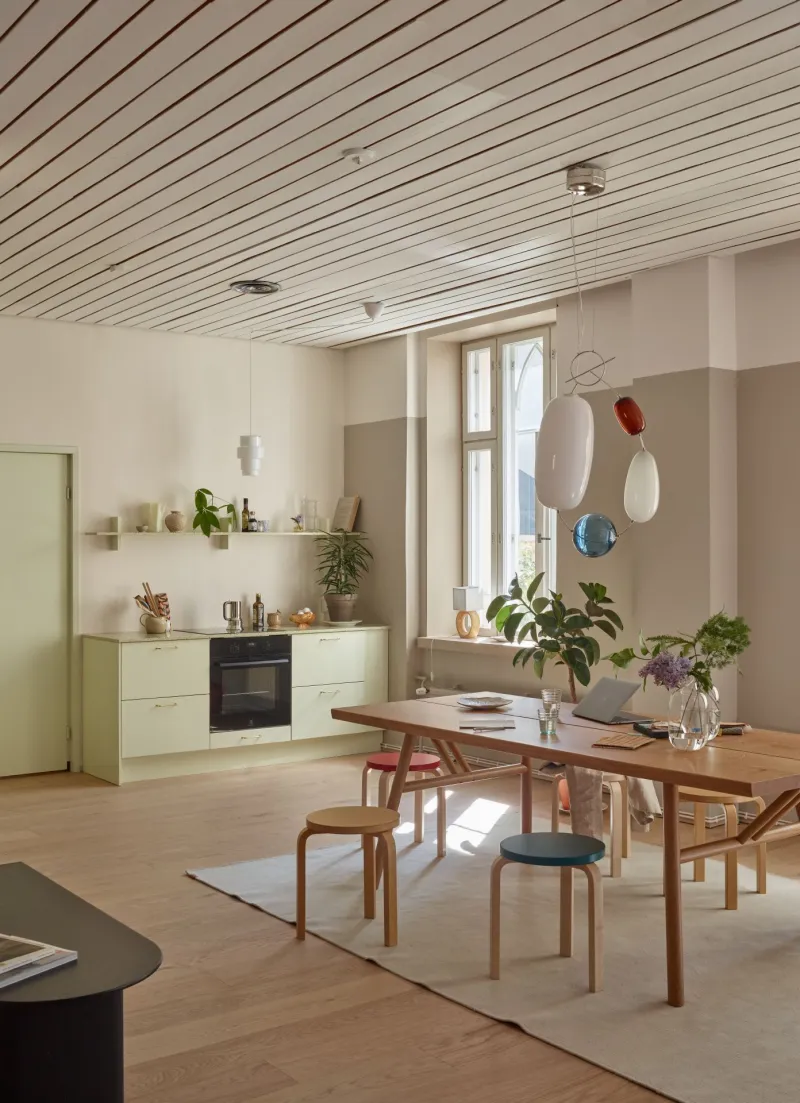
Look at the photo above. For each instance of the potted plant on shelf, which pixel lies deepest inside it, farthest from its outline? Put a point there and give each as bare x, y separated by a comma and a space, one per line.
207, 512
343, 561
554, 631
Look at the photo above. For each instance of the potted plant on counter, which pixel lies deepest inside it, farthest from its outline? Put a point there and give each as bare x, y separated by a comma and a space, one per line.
343, 561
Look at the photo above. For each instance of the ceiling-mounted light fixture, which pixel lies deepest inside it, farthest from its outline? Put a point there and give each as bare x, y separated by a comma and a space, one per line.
255, 287
586, 180
250, 450
373, 310
359, 156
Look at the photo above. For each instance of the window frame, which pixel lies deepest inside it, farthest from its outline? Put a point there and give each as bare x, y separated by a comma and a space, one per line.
502, 511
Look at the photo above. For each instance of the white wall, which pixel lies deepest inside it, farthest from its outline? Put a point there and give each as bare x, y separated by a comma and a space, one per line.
376, 386
156, 415
767, 318
607, 327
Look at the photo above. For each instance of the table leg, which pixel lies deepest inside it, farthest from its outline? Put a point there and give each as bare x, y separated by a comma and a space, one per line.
396, 791
526, 797
63, 1050
672, 896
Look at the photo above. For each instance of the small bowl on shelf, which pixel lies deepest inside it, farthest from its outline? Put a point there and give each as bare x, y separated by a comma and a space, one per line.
303, 620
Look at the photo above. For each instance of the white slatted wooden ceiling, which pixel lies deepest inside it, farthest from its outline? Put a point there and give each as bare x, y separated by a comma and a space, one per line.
151, 151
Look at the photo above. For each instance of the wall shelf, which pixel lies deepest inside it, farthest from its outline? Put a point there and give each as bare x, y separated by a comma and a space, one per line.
220, 539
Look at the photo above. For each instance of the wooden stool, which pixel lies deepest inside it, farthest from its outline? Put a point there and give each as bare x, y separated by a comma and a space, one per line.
544, 848
386, 763
620, 817
370, 823
729, 801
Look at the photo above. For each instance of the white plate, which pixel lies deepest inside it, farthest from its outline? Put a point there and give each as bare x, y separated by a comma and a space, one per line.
341, 623
482, 702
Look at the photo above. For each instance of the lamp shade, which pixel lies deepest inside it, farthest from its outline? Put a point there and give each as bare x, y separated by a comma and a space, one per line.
564, 452
250, 453
467, 597
642, 488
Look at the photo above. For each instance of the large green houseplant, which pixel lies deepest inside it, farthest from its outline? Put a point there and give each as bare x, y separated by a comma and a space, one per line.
343, 560
553, 631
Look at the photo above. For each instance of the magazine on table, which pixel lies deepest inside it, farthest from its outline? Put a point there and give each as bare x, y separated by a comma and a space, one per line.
23, 958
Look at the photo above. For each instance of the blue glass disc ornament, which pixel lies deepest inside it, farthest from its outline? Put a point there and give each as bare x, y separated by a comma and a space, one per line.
594, 535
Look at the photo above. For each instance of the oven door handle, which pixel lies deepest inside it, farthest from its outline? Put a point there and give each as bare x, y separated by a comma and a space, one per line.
255, 662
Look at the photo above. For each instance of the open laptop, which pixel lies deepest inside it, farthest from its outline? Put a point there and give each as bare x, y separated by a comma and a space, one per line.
603, 702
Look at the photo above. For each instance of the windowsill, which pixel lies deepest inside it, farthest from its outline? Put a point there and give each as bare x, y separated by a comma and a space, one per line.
487, 645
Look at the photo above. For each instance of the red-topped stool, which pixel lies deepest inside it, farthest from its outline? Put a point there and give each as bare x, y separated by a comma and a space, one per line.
385, 763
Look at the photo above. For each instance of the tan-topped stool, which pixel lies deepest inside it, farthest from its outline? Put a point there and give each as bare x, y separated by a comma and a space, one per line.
620, 817
729, 801
371, 823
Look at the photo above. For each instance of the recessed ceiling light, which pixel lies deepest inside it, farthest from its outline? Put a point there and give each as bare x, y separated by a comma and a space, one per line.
359, 156
255, 287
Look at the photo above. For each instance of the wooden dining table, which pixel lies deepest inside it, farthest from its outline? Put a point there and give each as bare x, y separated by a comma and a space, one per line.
756, 764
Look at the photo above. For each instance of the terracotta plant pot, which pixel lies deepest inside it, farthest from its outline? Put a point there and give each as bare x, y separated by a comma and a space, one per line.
341, 607
175, 521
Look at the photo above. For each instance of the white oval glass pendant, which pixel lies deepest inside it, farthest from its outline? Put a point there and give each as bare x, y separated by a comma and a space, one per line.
564, 452
642, 487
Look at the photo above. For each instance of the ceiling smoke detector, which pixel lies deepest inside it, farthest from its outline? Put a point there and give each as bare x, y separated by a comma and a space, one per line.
586, 180
255, 287
373, 310
359, 156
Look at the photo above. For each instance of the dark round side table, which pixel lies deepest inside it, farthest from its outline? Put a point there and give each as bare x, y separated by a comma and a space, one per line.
61, 1034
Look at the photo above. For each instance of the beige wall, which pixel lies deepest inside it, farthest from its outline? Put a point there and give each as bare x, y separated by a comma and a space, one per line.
769, 538
156, 415
443, 491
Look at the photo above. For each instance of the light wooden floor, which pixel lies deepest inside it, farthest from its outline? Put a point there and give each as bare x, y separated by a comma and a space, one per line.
240, 1012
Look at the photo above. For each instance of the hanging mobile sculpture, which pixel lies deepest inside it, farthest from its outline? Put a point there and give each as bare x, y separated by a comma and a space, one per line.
565, 448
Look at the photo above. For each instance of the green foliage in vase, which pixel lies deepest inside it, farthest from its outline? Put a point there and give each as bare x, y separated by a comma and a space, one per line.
554, 631
718, 642
206, 518
343, 561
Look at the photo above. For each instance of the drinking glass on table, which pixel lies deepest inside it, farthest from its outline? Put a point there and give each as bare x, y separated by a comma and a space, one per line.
551, 701
547, 723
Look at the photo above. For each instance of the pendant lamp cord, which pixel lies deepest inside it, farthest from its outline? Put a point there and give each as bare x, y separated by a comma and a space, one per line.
250, 348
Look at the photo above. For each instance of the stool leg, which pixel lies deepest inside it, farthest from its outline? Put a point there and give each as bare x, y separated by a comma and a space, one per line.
761, 857
567, 898
364, 791
616, 828
386, 843
494, 919
731, 860
302, 839
555, 801
626, 821
383, 788
699, 837
441, 820
368, 843
419, 815
595, 927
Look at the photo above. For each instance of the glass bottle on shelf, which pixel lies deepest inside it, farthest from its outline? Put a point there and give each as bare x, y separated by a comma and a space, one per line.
252, 523
245, 517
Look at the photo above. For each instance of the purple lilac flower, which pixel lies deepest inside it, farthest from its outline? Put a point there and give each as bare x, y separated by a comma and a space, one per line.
667, 670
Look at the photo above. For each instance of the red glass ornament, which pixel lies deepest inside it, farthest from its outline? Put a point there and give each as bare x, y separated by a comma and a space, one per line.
629, 416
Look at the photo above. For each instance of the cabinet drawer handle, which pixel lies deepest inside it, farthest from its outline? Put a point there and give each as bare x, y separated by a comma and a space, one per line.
330, 639
171, 705
172, 647
328, 692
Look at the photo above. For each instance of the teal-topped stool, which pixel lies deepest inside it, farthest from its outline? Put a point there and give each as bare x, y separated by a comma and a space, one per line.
568, 852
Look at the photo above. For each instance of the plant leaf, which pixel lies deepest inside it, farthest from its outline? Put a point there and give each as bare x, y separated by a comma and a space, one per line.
502, 617
495, 605
512, 624
540, 604
534, 586
615, 618
609, 629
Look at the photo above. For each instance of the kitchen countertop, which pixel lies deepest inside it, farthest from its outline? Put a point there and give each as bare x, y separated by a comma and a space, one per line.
202, 634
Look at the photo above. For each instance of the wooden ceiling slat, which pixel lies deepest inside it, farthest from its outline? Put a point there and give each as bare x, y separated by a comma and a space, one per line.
27, 37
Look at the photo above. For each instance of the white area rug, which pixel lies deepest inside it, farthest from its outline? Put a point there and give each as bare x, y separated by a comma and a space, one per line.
738, 1037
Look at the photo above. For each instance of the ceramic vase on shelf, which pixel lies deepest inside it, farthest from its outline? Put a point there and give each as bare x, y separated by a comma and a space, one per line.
175, 521
693, 715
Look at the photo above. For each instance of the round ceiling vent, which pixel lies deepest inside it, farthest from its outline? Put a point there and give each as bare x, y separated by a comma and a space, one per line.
255, 287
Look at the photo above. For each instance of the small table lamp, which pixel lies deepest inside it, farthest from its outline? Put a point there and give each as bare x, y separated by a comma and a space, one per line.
466, 599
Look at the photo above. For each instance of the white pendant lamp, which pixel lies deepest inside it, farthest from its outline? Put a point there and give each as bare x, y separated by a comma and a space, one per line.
564, 452
250, 450
642, 488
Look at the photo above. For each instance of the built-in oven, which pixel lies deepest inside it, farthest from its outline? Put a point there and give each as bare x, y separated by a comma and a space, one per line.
251, 683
